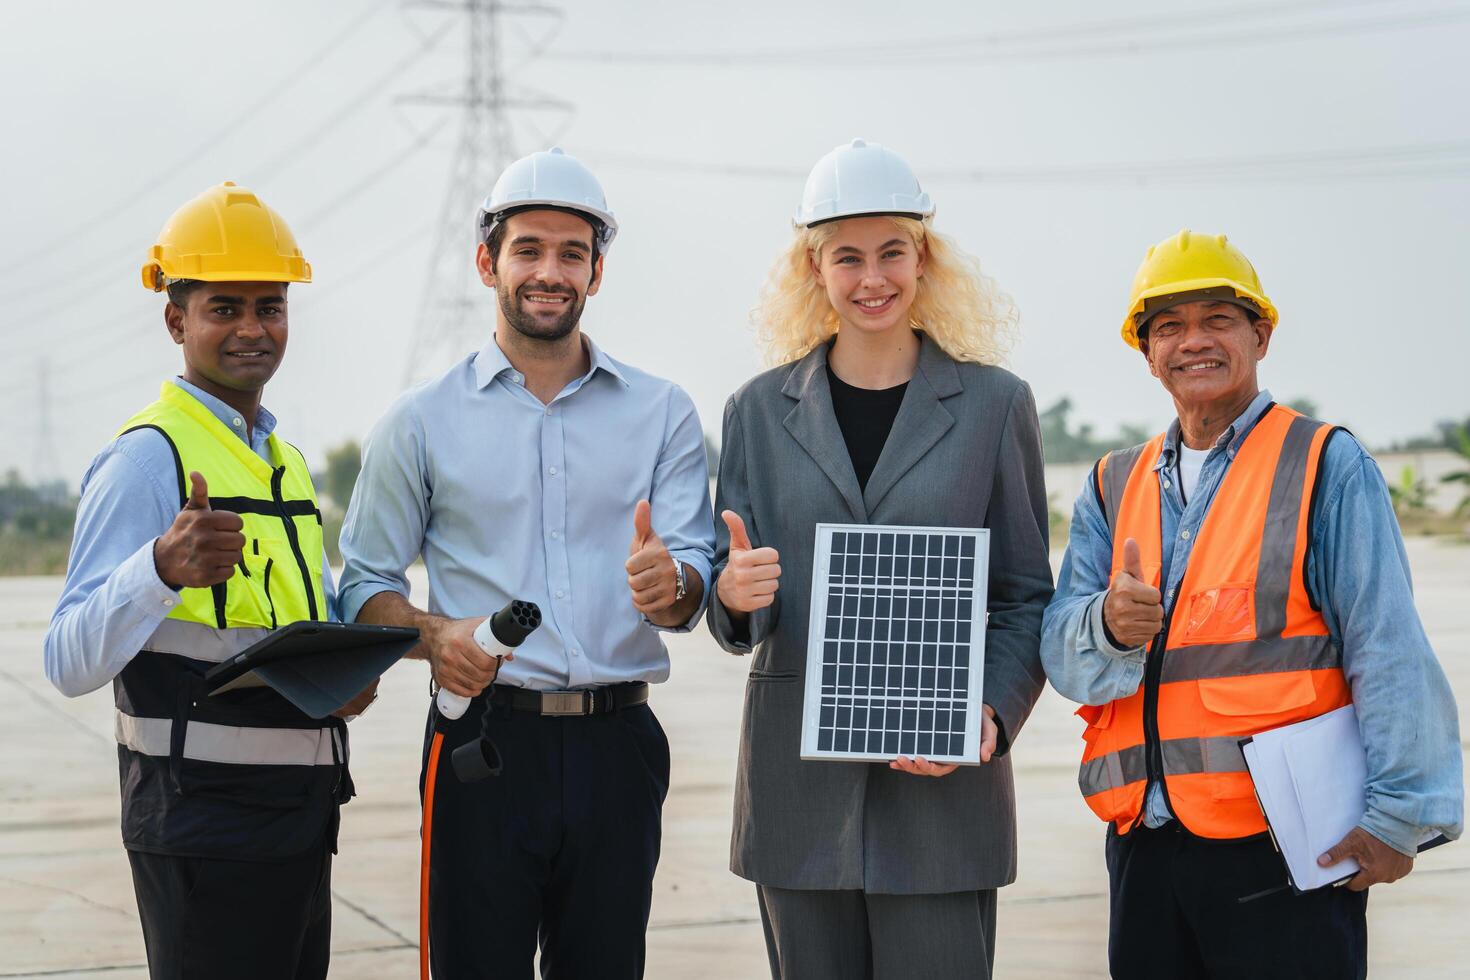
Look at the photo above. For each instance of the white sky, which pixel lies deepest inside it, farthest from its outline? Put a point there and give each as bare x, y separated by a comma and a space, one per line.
1341, 127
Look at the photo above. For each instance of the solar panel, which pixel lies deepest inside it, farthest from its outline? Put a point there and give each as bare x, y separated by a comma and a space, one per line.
896, 648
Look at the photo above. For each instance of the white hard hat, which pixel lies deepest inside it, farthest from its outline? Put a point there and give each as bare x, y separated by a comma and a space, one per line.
549, 178
861, 178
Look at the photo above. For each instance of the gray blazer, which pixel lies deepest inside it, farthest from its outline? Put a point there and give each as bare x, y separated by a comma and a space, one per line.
965, 451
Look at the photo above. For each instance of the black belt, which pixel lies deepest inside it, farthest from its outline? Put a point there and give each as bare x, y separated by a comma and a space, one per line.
597, 701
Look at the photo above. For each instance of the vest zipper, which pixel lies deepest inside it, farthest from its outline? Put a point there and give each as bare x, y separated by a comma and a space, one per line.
266, 584
1153, 673
294, 538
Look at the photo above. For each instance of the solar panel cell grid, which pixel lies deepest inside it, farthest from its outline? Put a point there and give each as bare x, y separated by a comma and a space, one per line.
894, 625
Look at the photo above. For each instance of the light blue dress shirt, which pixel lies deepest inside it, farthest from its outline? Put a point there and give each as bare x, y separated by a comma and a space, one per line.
113, 599
508, 498
1356, 565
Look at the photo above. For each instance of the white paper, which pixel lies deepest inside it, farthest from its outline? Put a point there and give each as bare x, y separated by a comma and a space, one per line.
1310, 780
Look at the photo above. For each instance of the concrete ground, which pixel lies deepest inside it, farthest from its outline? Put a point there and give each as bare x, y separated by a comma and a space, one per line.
66, 900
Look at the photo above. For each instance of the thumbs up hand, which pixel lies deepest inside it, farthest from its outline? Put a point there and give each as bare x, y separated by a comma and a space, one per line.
203, 546
652, 573
1133, 610
752, 575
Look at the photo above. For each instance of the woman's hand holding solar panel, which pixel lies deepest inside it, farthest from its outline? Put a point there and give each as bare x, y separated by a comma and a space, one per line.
989, 735
751, 576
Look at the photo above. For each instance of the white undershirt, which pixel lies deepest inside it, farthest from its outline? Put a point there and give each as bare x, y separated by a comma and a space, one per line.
1191, 461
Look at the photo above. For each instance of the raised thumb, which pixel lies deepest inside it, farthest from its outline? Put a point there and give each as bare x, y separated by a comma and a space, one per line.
739, 540
642, 522
1132, 559
198, 493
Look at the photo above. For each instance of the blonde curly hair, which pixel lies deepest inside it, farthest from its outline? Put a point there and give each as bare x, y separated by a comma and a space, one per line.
956, 304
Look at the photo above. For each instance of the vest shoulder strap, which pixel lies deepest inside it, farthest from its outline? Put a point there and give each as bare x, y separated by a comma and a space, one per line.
1312, 508
178, 461
1111, 476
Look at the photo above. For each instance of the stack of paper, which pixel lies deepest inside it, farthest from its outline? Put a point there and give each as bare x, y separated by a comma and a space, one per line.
1310, 778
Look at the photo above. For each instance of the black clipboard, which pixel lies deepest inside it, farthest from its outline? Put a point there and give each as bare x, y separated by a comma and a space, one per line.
317, 666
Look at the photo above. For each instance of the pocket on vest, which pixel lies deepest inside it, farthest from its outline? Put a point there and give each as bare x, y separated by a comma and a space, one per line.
1099, 718
1221, 614
249, 602
1258, 701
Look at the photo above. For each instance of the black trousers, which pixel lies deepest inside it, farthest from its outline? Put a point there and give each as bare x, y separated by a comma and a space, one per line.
1177, 914
215, 919
560, 848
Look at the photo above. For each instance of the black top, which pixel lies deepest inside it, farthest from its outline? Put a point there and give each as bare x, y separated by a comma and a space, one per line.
865, 416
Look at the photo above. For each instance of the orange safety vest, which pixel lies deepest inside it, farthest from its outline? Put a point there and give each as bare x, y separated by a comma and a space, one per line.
1244, 646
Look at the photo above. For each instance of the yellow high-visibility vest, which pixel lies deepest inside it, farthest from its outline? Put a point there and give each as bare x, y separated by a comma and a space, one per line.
279, 580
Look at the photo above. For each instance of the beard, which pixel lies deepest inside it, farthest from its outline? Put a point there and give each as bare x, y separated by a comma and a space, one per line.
527, 324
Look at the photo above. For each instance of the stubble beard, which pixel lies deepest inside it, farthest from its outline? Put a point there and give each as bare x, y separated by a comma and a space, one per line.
529, 326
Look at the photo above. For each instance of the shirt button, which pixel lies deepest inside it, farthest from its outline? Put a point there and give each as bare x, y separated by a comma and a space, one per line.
560, 594
237, 422
576, 653
1166, 484
1184, 533
168, 602
555, 535
552, 471
548, 411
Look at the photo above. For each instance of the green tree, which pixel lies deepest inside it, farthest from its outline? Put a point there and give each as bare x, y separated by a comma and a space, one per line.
1410, 494
1461, 476
1446, 435
1061, 443
1304, 405
344, 462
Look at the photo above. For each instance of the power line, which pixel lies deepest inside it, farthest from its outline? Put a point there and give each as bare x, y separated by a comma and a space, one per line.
128, 200
344, 111
106, 264
1152, 34
312, 222
1443, 159
486, 145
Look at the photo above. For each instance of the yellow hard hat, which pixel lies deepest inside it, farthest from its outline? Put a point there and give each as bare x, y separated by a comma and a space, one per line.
225, 235
1187, 263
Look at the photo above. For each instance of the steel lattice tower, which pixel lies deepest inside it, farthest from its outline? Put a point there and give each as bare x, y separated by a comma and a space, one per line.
453, 312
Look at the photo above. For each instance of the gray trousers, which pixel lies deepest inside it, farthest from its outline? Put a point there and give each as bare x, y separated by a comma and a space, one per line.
852, 935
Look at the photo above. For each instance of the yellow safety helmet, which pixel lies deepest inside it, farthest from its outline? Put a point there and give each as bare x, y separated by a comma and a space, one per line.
1188, 263
225, 235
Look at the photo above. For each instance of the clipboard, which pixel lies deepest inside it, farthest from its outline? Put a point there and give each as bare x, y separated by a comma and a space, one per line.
317, 666
1309, 781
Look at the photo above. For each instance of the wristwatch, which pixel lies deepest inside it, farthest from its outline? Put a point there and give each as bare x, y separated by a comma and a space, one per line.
681, 587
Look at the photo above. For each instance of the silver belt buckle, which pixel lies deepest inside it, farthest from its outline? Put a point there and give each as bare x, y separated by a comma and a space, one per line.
563, 702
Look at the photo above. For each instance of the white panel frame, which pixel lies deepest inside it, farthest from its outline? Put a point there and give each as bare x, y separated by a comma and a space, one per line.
812, 703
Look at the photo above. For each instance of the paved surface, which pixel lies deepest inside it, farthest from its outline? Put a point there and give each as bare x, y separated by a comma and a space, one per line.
66, 901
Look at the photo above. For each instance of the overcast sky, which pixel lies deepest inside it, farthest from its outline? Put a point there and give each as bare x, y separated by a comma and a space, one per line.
1329, 140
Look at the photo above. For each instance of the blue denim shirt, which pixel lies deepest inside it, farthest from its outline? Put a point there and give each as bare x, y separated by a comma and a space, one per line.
113, 599
1356, 565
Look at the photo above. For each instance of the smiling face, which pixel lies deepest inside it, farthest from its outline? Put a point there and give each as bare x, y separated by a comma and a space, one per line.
543, 274
870, 269
1205, 353
233, 335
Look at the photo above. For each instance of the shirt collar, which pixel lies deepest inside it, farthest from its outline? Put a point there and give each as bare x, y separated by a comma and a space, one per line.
491, 363
265, 422
1230, 440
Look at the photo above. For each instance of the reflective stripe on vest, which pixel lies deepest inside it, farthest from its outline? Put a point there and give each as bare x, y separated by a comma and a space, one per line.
200, 642
231, 745
1246, 650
